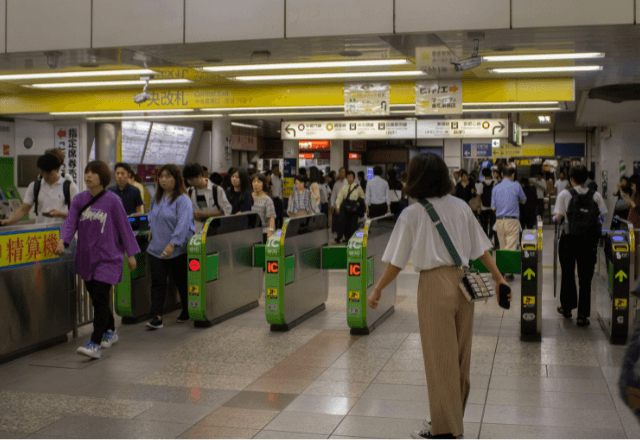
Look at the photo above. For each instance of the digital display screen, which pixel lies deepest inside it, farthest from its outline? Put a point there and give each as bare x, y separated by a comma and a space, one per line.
168, 144
134, 138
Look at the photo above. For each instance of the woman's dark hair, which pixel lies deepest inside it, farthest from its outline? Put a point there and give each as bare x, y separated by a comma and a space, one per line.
313, 174
428, 177
178, 189
102, 170
243, 174
634, 179
301, 178
262, 178
392, 179
216, 178
321, 180
48, 162
463, 172
192, 170
137, 177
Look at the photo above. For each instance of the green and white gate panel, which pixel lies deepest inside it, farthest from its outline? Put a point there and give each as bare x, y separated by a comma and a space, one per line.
279, 273
202, 269
359, 279
122, 291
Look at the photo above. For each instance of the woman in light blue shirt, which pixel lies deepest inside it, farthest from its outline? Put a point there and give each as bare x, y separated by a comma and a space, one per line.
171, 224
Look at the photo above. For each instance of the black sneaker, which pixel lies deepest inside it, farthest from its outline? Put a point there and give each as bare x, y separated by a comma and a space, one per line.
155, 323
426, 433
184, 318
427, 424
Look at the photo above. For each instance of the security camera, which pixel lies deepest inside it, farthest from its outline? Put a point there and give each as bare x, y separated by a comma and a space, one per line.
144, 96
469, 63
53, 58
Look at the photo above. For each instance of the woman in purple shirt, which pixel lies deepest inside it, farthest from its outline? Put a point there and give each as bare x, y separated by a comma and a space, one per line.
104, 234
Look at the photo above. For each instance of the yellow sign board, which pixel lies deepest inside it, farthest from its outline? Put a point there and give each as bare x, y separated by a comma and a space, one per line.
272, 293
620, 304
28, 247
287, 188
194, 289
529, 301
507, 150
354, 295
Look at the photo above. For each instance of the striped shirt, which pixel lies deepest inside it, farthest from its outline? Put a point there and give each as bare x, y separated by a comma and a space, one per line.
300, 201
266, 210
377, 192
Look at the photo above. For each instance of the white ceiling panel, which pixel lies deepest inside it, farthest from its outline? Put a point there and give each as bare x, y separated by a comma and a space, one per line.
315, 18
233, 20
3, 24
36, 25
543, 13
438, 15
128, 23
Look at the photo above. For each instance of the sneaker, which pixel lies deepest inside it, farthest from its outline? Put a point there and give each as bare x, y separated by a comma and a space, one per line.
427, 424
90, 349
109, 338
184, 318
426, 433
155, 323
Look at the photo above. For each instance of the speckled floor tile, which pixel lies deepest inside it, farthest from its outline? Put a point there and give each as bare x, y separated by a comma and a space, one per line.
175, 413
396, 392
159, 393
261, 401
310, 361
561, 417
408, 354
378, 427
574, 372
305, 422
347, 375
550, 399
294, 372
239, 418
221, 368
533, 370
278, 385
8, 434
404, 365
526, 432
337, 389
211, 432
207, 381
549, 384
401, 377
26, 421
292, 435
321, 405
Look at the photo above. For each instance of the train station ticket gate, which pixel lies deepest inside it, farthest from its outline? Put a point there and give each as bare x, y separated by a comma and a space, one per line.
223, 282
364, 267
296, 283
132, 296
616, 312
531, 285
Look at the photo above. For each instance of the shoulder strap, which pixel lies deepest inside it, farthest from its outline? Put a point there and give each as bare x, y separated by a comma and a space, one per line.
36, 191
66, 190
431, 211
190, 191
214, 188
85, 207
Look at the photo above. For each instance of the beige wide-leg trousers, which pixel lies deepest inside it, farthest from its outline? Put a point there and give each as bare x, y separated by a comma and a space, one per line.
446, 325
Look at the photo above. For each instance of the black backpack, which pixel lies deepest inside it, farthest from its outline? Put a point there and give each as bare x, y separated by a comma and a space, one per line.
66, 190
583, 214
486, 194
214, 189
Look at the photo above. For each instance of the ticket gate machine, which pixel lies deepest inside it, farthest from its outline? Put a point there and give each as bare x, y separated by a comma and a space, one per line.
612, 300
531, 285
132, 296
297, 285
364, 267
222, 280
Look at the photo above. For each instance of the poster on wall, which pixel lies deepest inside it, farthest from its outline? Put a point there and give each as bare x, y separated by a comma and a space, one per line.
367, 99
289, 171
7, 137
67, 138
438, 97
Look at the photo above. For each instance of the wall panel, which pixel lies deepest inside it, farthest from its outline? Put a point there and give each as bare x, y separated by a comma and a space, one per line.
542, 13
438, 15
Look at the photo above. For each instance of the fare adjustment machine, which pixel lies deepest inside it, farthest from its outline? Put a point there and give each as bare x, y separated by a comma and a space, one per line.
296, 282
222, 280
364, 266
10, 202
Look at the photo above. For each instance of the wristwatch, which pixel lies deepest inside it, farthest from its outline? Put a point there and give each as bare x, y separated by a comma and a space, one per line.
271, 229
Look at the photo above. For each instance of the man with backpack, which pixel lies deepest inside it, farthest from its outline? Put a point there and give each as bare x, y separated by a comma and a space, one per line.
208, 199
487, 215
51, 195
581, 209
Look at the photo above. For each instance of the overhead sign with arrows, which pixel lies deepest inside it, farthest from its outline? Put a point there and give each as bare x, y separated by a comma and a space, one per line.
367, 99
352, 130
439, 97
463, 129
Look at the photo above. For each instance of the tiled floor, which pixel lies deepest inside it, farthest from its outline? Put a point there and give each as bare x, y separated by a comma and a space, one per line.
239, 380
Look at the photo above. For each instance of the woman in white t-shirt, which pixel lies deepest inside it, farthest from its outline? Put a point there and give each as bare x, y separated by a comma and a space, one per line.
444, 313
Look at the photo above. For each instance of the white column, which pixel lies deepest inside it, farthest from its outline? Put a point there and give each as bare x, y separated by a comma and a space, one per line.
337, 155
220, 145
453, 153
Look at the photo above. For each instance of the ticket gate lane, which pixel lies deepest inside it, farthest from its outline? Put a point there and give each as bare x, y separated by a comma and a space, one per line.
295, 281
222, 279
364, 267
531, 286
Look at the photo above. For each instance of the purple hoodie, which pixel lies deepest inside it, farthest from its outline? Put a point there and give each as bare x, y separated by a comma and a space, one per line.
103, 229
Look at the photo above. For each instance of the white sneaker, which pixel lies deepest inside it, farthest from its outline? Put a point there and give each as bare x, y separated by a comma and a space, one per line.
90, 349
109, 338
427, 424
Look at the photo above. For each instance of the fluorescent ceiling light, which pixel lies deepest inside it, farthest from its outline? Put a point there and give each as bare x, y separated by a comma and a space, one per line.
523, 109
544, 119
546, 69
402, 111
298, 107
535, 129
237, 124
316, 65
122, 118
76, 74
331, 75
111, 112
240, 115
542, 57
107, 83
507, 103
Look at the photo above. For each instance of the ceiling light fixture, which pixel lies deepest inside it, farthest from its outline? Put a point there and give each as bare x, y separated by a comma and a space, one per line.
123, 118
542, 57
97, 73
297, 107
237, 124
106, 83
546, 69
506, 103
250, 115
544, 119
330, 75
316, 65
535, 129
108, 112
523, 109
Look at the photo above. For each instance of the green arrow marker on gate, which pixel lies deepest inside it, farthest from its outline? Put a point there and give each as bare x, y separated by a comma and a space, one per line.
529, 273
620, 276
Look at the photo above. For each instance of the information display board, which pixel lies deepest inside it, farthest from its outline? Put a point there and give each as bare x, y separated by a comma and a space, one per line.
462, 128
134, 138
168, 144
366, 129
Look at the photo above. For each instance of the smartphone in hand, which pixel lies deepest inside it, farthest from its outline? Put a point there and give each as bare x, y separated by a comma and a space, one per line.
504, 291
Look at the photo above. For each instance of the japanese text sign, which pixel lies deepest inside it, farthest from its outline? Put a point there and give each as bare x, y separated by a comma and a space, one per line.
438, 97
28, 247
368, 99
66, 139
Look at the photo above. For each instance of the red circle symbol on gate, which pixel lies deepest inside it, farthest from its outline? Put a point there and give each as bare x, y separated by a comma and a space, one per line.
194, 265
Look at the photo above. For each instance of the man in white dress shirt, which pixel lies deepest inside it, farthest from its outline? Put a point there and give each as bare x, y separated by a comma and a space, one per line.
342, 181
377, 195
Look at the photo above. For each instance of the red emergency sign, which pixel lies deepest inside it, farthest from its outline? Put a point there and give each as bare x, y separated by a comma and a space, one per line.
194, 265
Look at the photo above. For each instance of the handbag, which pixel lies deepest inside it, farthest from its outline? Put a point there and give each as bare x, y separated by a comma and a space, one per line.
350, 206
629, 382
621, 205
474, 285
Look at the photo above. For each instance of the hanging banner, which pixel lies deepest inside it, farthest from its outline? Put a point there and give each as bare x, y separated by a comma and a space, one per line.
438, 97
67, 138
368, 99
436, 61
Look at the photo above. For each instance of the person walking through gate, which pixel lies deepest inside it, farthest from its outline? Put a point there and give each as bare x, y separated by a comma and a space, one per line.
348, 206
581, 208
504, 201
487, 215
377, 195
541, 187
444, 313
276, 194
